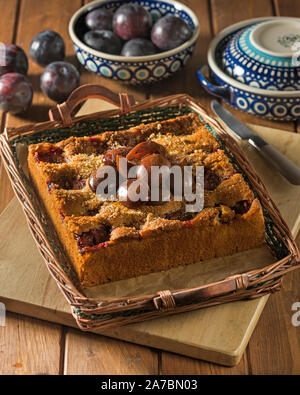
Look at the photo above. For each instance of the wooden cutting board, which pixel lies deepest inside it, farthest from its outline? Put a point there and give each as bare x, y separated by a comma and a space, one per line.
217, 334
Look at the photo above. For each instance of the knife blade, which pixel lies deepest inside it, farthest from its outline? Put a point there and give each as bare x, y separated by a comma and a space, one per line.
285, 167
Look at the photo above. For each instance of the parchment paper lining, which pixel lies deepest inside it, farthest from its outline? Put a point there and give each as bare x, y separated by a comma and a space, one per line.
177, 278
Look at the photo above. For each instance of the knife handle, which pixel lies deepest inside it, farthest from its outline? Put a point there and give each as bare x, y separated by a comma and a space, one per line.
279, 161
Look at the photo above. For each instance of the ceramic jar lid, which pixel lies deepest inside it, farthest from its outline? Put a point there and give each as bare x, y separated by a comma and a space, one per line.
265, 55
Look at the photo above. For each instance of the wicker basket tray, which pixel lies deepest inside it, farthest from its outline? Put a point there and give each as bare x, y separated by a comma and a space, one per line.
96, 313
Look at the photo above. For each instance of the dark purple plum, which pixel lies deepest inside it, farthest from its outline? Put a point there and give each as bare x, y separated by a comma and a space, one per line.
12, 59
15, 93
132, 21
99, 19
58, 80
104, 41
47, 47
138, 47
169, 32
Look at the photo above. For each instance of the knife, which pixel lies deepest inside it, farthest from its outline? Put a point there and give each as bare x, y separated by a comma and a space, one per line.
285, 167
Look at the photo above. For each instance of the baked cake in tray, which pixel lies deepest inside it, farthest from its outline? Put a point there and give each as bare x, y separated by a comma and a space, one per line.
108, 240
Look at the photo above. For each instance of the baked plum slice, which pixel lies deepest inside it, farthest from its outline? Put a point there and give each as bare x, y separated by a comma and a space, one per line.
211, 180
52, 155
242, 207
93, 237
143, 149
78, 184
148, 162
110, 157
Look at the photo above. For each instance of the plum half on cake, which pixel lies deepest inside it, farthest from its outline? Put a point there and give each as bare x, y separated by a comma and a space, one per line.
110, 240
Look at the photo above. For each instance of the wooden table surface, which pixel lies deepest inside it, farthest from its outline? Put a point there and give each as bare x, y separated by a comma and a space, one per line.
31, 346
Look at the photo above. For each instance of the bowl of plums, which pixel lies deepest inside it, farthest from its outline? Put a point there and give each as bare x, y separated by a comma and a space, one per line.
134, 41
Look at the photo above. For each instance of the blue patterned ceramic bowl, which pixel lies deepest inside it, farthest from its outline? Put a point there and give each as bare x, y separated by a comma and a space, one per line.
272, 104
262, 55
135, 70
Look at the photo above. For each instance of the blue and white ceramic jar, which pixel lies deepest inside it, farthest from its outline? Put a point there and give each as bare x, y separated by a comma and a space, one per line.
270, 103
263, 55
142, 69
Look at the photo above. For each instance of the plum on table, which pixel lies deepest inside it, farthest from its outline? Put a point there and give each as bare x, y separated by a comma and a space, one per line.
132, 21
12, 59
15, 93
138, 47
104, 41
169, 32
47, 47
99, 19
58, 80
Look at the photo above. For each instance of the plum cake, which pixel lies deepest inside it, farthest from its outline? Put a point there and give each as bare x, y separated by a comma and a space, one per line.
109, 238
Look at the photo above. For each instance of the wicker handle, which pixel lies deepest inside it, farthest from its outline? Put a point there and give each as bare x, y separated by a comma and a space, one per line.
62, 112
167, 300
